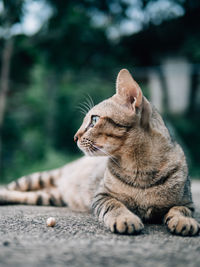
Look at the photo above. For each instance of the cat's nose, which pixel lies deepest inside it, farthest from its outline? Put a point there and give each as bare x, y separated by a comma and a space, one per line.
75, 138
78, 135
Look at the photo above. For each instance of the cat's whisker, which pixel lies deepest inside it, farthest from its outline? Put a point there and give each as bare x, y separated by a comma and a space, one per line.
90, 100
107, 154
82, 110
84, 105
89, 152
87, 105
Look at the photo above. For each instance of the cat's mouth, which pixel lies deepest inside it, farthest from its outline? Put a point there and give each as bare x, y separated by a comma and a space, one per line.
90, 148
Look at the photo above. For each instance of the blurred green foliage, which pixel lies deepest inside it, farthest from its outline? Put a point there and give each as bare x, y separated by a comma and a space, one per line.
53, 71
39, 129
187, 128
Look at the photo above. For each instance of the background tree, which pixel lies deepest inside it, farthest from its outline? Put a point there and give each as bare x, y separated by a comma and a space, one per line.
78, 51
10, 14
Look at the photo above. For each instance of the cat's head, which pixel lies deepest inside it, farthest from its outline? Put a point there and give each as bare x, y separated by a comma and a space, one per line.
117, 122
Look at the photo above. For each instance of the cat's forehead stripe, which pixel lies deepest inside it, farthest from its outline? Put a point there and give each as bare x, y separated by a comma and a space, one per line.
113, 111
105, 106
115, 123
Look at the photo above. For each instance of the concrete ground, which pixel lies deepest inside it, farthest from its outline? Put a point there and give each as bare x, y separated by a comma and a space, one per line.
80, 240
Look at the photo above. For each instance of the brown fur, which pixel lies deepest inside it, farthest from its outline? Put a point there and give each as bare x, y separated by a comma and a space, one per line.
143, 178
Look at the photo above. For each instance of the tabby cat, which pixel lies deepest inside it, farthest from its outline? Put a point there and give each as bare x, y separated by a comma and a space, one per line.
141, 176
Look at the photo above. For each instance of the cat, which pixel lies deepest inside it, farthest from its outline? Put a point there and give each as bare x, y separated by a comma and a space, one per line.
137, 174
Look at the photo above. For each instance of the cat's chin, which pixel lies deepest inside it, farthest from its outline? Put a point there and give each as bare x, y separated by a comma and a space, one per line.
93, 153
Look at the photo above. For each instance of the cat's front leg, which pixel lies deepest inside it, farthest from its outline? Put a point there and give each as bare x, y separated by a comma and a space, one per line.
115, 215
179, 221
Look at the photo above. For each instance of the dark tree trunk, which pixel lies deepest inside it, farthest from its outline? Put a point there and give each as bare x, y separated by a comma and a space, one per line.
165, 100
51, 93
193, 90
4, 88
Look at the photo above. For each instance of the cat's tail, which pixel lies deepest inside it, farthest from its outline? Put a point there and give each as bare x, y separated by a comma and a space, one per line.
35, 181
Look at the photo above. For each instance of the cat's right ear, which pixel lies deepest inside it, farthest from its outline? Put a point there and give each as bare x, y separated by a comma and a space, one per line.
128, 89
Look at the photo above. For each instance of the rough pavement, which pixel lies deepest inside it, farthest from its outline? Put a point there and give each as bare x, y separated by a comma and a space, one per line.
79, 240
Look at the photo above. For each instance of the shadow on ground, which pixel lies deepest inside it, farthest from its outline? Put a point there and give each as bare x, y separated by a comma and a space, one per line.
79, 240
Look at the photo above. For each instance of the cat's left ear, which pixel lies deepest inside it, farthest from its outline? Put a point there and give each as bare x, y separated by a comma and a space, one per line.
129, 94
128, 89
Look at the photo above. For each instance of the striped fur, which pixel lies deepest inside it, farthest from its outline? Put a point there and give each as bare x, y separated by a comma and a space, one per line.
35, 181
39, 197
141, 176
35, 189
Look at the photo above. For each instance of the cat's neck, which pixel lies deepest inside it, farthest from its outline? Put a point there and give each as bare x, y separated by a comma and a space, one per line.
138, 155
136, 161
139, 165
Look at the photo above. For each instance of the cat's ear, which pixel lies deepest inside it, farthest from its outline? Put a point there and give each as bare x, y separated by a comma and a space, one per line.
128, 89
130, 94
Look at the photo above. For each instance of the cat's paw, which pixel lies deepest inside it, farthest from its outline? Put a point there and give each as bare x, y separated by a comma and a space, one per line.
125, 224
182, 225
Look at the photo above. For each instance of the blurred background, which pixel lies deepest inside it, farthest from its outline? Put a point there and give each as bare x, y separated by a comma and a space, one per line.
55, 55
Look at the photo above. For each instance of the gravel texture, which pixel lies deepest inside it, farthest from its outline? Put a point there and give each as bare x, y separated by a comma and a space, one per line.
78, 239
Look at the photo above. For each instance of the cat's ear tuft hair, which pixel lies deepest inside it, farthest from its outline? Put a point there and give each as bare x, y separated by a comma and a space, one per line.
128, 89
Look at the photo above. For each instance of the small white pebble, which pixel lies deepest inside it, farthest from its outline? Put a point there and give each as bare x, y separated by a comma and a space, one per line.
51, 222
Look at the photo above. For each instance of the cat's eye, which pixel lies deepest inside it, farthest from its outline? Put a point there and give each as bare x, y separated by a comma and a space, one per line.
94, 120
